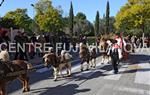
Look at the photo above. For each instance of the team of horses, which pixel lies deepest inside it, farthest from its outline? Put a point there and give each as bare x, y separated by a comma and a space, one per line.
51, 59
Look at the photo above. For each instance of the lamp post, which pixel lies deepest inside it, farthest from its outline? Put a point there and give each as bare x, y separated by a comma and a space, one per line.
1, 2
34, 23
33, 19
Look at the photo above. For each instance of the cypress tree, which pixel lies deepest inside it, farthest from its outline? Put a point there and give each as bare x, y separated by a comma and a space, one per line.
71, 19
107, 17
97, 23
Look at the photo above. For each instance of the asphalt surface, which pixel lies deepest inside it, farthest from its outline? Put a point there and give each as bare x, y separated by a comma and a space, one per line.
133, 79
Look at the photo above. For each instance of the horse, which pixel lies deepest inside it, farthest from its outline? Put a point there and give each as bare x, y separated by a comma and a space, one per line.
58, 62
12, 66
93, 57
104, 46
7, 66
84, 55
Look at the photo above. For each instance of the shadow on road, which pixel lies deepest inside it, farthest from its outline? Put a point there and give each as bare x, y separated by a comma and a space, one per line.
139, 58
69, 89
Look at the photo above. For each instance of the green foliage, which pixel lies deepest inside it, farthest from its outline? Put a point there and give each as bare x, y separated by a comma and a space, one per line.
133, 15
81, 16
48, 18
111, 25
97, 24
19, 18
107, 17
7, 23
82, 25
71, 19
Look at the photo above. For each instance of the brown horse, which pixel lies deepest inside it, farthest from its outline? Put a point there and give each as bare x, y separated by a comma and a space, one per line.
84, 55
58, 62
93, 57
12, 66
104, 48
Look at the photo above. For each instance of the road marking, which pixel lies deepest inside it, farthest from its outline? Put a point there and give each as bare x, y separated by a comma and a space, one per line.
114, 88
143, 74
87, 74
111, 76
133, 90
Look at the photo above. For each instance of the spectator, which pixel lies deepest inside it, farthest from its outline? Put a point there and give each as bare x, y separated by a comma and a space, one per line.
19, 41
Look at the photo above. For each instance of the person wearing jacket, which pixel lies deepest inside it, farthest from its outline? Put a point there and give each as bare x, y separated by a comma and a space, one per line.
115, 54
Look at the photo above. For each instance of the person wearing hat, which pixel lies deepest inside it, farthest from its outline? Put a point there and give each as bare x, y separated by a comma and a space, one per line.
115, 55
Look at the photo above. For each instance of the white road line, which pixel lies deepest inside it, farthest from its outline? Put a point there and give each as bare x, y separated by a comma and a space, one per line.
133, 90
87, 74
143, 75
111, 76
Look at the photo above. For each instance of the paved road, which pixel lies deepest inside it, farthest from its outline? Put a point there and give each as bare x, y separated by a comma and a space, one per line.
133, 79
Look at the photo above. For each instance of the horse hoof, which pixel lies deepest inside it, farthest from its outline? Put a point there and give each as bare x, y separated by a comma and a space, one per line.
68, 75
28, 89
24, 91
81, 70
87, 69
55, 79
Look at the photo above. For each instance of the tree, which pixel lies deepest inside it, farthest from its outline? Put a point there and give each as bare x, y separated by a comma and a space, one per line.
19, 18
81, 16
107, 17
97, 23
82, 25
71, 19
7, 23
133, 15
48, 18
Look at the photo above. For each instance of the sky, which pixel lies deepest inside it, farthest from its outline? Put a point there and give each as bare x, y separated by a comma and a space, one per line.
88, 7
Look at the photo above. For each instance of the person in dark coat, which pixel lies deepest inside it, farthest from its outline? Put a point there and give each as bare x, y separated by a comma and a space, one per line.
114, 53
25, 40
19, 40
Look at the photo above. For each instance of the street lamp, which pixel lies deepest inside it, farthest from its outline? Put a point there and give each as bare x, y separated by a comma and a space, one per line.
34, 23
1, 2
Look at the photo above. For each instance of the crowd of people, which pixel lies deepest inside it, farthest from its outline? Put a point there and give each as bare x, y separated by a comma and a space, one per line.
23, 38
140, 41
